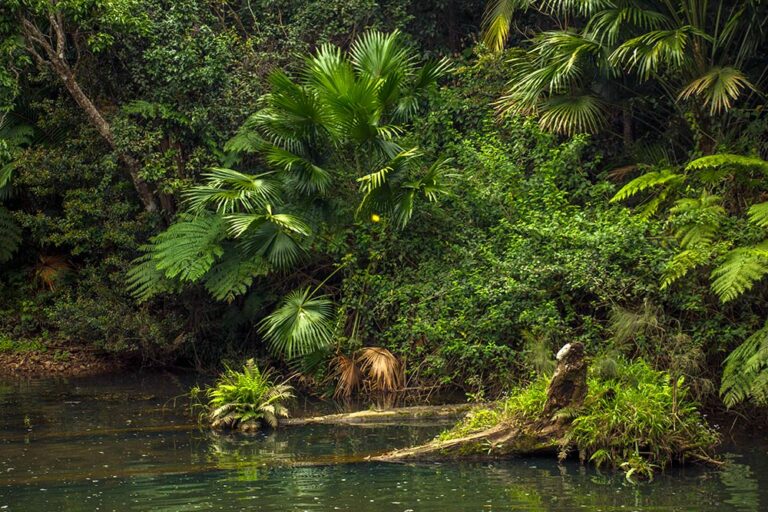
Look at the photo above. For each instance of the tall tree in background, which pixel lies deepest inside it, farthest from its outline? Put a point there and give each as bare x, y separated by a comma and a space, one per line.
56, 34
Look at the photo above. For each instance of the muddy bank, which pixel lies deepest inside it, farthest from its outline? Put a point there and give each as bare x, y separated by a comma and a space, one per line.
64, 361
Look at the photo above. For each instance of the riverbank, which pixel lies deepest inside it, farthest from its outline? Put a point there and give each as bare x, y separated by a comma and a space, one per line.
58, 361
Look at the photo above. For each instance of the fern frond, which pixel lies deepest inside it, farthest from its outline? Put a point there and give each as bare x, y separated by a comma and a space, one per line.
758, 214
189, 247
698, 219
144, 280
745, 375
742, 268
233, 275
648, 180
728, 161
683, 262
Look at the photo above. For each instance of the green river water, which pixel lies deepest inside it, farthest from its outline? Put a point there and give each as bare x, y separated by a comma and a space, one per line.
122, 444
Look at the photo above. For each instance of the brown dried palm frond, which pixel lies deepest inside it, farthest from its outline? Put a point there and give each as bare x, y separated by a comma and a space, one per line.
50, 269
348, 375
382, 368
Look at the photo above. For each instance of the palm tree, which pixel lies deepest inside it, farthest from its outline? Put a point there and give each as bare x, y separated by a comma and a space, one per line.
339, 123
337, 126
695, 52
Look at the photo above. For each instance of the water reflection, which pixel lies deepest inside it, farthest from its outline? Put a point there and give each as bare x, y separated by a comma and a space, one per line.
118, 445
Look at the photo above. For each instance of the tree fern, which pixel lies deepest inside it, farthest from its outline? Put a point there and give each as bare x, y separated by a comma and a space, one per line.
746, 371
742, 268
683, 262
728, 161
758, 214
697, 219
144, 280
646, 181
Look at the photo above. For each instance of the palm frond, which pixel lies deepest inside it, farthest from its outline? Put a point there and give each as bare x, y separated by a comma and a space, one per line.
656, 51
382, 368
610, 23
228, 191
573, 114
719, 88
497, 19
348, 375
379, 55
301, 324
281, 247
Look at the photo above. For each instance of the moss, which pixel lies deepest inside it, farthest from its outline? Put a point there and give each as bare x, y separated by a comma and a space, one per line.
639, 420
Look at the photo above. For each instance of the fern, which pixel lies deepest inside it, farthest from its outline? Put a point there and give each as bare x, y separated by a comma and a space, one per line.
699, 219
188, 248
233, 275
758, 214
728, 161
742, 268
144, 280
648, 180
10, 235
682, 263
746, 371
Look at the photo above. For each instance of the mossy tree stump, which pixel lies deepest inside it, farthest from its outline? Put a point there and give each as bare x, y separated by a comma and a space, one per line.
567, 389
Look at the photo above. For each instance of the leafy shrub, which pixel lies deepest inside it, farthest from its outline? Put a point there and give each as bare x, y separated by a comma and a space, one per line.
639, 420
247, 400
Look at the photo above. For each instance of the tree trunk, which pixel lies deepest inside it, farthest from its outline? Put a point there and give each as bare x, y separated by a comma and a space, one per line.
56, 60
568, 388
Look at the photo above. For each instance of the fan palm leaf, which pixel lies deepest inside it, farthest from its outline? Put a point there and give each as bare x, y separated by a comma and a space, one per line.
719, 88
301, 324
228, 191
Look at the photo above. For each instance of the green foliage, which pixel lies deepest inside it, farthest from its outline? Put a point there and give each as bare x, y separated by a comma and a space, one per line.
746, 371
643, 414
10, 235
302, 324
637, 419
600, 53
247, 400
740, 270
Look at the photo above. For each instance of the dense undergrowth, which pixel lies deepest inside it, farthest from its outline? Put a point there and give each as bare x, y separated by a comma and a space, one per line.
633, 417
405, 201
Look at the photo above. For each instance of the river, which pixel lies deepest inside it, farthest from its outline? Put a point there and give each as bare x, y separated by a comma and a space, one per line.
123, 443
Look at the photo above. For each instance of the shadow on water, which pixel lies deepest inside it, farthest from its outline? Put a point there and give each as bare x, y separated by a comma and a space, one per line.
120, 443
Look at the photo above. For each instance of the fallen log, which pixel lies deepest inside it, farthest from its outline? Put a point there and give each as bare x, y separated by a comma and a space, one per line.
568, 388
401, 414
